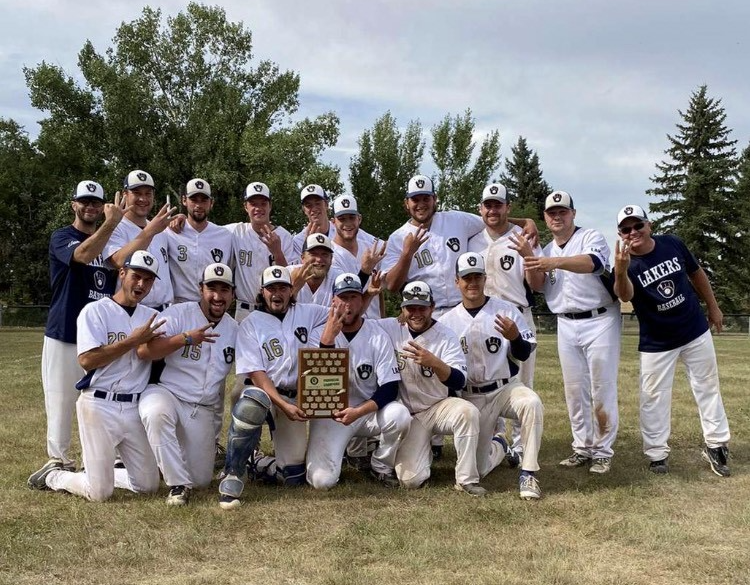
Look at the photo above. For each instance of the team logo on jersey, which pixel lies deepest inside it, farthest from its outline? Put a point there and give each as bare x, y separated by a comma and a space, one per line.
557, 198
90, 187
420, 183
453, 244
552, 276
628, 211
345, 203
217, 254
164, 255
507, 261
148, 260
229, 354
666, 289
276, 273
301, 334
199, 184
311, 188
426, 372
364, 371
493, 344
494, 190
258, 188
99, 279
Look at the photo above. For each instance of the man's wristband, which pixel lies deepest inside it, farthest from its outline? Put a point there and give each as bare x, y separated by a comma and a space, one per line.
188, 339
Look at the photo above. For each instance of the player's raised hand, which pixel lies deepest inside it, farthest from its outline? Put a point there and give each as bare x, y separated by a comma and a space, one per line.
177, 223
113, 212
147, 331
335, 321
271, 239
301, 275
203, 334
375, 284
506, 327
414, 240
313, 227
622, 257
161, 220
521, 244
531, 231
413, 351
372, 256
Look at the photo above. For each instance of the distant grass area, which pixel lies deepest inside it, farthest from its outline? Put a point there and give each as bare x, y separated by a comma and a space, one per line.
628, 527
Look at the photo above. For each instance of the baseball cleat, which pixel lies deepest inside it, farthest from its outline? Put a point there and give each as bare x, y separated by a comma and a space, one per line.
38, 479
473, 489
717, 459
528, 487
179, 495
389, 479
229, 502
660, 467
575, 460
601, 465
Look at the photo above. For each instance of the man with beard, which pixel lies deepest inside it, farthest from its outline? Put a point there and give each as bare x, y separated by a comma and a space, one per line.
109, 333
78, 276
198, 243
314, 279
178, 410
136, 232
315, 207
267, 345
373, 388
432, 364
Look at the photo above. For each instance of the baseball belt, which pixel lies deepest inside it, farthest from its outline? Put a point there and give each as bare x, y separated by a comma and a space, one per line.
288, 392
488, 388
584, 314
114, 396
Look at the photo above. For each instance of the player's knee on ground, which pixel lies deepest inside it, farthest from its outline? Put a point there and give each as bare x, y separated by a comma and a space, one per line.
146, 483
411, 481
248, 416
322, 479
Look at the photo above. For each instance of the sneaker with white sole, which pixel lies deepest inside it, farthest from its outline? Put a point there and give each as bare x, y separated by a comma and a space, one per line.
179, 495
230, 490
601, 465
717, 459
575, 460
38, 479
528, 487
473, 489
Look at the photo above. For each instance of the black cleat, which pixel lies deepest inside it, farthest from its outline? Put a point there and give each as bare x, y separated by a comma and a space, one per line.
717, 459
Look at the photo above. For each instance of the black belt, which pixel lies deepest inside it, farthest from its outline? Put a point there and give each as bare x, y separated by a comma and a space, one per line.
584, 314
288, 392
117, 397
244, 305
160, 308
488, 388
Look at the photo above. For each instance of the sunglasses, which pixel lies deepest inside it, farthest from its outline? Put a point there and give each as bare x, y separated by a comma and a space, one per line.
636, 226
420, 296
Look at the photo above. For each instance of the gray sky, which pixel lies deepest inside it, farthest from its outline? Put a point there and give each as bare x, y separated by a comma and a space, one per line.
594, 86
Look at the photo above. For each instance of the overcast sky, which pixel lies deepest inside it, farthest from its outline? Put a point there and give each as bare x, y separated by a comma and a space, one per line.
594, 86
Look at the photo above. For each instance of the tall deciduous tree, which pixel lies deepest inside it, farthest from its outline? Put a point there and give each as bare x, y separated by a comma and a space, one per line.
380, 171
461, 177
696, 191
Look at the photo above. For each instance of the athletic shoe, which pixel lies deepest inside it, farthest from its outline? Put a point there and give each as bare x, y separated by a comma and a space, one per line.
601, 465
575, 460
661, 466
389, 480
229, 502
38, 479
361, 464
119, 464
179, 495
437, 452
230, 490
473, 489
511, 457
717, 459
220, 457
528, 487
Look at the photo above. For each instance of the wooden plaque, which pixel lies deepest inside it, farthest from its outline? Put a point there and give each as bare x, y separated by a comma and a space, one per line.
323, 384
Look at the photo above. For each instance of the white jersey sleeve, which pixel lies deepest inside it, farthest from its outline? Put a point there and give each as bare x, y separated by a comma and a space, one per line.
251, 257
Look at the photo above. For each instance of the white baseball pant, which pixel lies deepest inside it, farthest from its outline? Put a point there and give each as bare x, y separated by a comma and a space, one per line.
289, 438
657, 377
452, 416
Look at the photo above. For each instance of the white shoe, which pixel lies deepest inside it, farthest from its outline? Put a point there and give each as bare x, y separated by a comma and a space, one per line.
601, 465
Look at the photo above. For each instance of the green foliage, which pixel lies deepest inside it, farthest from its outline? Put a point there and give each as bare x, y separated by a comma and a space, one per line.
698, 200
380, 171
523, 179
459, 182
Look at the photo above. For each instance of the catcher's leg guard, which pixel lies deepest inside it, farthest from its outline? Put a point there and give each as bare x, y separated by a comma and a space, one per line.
243, 437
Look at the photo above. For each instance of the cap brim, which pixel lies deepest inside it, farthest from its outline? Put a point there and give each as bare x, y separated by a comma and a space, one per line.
210, 280
276, 281
415, 193
415, 303
346, 290
143, 268
200, 193
494, 198
471, 271
346, 212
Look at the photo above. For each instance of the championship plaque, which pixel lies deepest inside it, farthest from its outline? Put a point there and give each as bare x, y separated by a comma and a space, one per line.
323, 384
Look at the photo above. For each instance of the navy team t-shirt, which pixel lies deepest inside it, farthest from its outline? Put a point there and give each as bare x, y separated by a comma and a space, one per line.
73, 284
668, 309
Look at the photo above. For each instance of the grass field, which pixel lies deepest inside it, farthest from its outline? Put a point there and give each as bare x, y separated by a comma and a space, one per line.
628, 527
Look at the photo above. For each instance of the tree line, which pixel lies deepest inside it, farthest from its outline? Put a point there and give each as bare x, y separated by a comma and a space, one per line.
184, 96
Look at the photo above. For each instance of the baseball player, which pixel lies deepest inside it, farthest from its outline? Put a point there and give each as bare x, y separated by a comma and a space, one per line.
578, 289
178, 409
197, 244
109, 332
267, 344
494, 336
661, 277
315, 207
315, 277
431, 363
502, 244
78, 276
136, 232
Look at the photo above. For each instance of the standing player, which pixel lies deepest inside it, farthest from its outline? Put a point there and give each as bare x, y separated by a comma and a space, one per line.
431, 363
178, 410
315, 207
78, 276
662, 277
198, 243
578, 289
503, 246
267, 345
109, 332
373, 388
136, 232
492, 385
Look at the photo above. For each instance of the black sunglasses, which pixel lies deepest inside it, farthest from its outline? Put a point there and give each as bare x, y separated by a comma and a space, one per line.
636, 226
420, 296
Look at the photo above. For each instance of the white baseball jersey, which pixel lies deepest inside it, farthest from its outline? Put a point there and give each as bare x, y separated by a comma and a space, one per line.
487, 351
269, 344
126, 231
435, 261
420, 388
323, 296
372, 361
505, 266
196, 373
104, 322
345, 261
570, 292
299, 241
252, 256
190, 252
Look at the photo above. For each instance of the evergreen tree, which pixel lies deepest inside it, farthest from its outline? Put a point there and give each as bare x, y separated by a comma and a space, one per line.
697, 196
